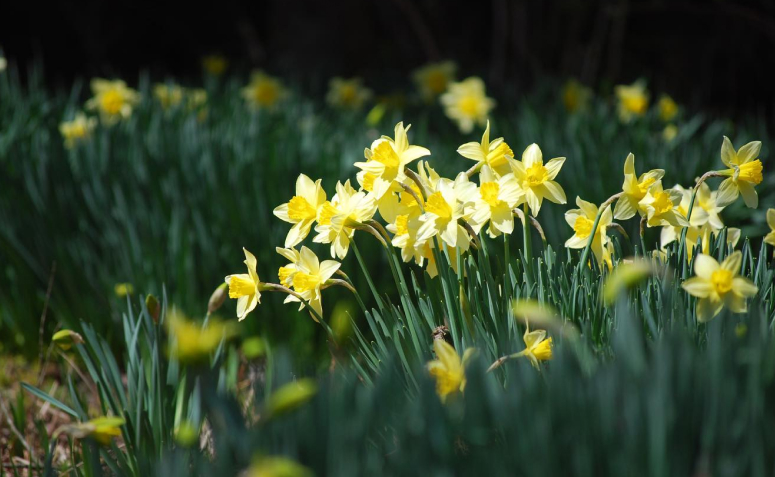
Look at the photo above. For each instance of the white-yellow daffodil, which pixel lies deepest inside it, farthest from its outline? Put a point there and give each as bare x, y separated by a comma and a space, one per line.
581, 221
347, 93
496, 202
78, 129
467, 104
491, 153
661, 207
337, 220
432, 79
719, 286
386, 160
112, 99
168, 95
285, 272
633, 100
634, 189
745, 172
302, 210
263, 91
310, 275
448, 369
536, 179
245, 287
444, 208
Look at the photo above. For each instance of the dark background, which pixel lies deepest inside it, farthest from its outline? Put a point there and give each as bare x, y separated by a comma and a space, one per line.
712, 54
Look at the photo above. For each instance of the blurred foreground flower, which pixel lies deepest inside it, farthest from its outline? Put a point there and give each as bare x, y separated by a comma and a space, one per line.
624, 277
215, 64
101, 429
467, 104
347, 93
191, 342
633, 100
448, 369
745, 172
575, 96
263, 91
277, 466
719, 285
291, 396
112, 99
433, 79
78, 129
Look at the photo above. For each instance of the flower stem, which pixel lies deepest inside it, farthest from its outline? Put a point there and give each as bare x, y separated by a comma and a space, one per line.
682, 243
366, 273
603, 206
528, 246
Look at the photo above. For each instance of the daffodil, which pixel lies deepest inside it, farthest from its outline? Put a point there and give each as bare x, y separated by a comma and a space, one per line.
169, 95
667, 108
338, 219
309, 276
433, 79
263, 91
536, 179
575, 96
669, 133
496, 201
102, 429
537, 347
112, 99
425, 250
467, 104
492, 154
445, 208
633, 100
191, 342
448, 369
581, 221
745, 172
302, 210
245, 287
347, 93
661, 207
285, 272
719, 286
123, 289
386, 160
634, 189
770, 237
215, 65
77, 130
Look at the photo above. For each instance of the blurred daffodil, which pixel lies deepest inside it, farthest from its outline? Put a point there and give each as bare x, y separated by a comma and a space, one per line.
537, 347
215, 65
467, 104
625, 276
448, 369
245, 287
745, 172
302, 210
3, 63
770, 237
112, 99
102, 429
277, 466
169, 95
338, 218
633, 100
634, 189
582, 221
123, 289
65, 339
575, 96
536, 179
491, 153
78, 129
670, 132
433, 79
347, 93
668, 109
719, 286
263, 91
192, 342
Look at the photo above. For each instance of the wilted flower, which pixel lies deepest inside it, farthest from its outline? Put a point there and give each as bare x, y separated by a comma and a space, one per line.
537, 179
347, 93
112, 99
263, 91
78, 129
745, 172
245, 287
302, 210
718, 286
467, 104
575, 96
633, 100
448, 369
433, 79
634, 189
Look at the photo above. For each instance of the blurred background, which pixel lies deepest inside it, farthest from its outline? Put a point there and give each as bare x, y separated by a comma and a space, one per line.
709, 53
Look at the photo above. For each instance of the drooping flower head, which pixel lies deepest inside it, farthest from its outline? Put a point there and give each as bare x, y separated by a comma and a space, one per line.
634, 189
467, 104
302, 210
719, 286
745, 172
536, 179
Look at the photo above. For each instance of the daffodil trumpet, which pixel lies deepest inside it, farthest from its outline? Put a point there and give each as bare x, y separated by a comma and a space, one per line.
603, 207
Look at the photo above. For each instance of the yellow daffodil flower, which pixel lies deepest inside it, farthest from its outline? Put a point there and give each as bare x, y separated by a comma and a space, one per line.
112, 99
448, 369
467, 104
669, 133
745, 172
302, 210
496, 201
337, 220
719, 286
537, 179
537, 347
78, 129
215, 65
347, 93
285, 272
667, 108
263, 91
575, 96
633, 100
245, 287
309, 276
770, 237
661, 207
634, 189
386, 160
102, 429
169, 95
444, 208
432, 79
492, 154
190, 342
581, 221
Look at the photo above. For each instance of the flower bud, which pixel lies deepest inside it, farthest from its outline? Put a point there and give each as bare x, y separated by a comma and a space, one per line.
153, 306
217, 298
65, 339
